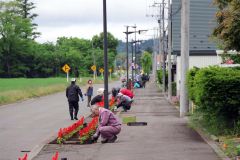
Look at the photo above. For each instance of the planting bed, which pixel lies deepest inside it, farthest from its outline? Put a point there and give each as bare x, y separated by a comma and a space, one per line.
86, 128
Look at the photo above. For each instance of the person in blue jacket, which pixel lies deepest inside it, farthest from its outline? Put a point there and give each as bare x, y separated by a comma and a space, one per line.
89, 92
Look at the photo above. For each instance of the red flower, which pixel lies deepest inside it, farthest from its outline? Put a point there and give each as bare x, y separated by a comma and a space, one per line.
24, 158
60, 134
55, 157
229, 61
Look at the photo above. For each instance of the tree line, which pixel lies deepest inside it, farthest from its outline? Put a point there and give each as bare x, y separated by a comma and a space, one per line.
22, 56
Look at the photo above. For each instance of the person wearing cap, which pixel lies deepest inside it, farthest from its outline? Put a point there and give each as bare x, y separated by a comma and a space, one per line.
115, 91
124, 101
108, 127
72, 93
98, 99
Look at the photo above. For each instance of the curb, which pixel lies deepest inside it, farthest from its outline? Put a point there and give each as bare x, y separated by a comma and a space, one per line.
213, 145
209, 141
36, 150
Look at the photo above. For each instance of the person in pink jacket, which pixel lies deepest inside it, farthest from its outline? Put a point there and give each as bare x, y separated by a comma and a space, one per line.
108, 127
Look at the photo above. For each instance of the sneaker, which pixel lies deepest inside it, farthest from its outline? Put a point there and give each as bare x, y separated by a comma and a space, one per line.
72, 119
112, 140
104, 140
75, 118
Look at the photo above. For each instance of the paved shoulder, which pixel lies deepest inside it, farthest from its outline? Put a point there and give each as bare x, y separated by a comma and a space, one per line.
166, 137
30, 123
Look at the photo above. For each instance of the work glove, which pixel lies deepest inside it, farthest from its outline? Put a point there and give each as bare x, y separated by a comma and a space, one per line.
115, 108
95, 137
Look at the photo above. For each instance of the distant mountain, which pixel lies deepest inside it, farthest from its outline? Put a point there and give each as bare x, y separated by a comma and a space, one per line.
145, 45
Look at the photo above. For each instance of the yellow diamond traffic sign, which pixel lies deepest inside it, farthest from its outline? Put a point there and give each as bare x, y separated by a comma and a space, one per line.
93, 68
101, 70
66, 68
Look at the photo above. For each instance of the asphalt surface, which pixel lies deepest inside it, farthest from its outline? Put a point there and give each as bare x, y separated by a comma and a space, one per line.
166, 137
26, 125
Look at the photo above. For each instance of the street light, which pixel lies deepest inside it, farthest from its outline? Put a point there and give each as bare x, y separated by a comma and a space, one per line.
105, 54
137, 60
135, 42
139, 32
127, 33
132, 66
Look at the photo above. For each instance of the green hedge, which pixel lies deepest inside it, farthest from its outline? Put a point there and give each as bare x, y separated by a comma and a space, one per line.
190, 82
174, 88
216, 92
160, 75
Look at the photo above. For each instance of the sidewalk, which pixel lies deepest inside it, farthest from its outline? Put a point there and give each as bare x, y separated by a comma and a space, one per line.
166, 137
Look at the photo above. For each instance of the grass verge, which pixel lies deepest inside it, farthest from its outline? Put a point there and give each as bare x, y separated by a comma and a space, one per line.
229, 144
16, 89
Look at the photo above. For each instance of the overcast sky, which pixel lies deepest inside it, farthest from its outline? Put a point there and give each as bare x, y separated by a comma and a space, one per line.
83, 18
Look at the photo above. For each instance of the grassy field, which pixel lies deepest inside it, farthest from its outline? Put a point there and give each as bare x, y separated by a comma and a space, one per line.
15, 89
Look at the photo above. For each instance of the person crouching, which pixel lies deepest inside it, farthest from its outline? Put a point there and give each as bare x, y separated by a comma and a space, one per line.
124, 101
109, 125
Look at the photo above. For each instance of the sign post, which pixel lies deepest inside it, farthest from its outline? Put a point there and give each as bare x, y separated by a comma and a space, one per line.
101, 70
93, 68
110, 70
66, 69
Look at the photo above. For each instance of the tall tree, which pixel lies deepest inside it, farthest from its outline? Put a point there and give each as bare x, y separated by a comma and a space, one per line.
97, 41
146, 61
26, 8
227, 32
12, 39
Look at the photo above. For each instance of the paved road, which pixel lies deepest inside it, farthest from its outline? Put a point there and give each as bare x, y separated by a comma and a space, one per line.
166, 137
25, 125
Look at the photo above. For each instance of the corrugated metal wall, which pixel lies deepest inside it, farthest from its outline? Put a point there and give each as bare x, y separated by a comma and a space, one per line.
202, 22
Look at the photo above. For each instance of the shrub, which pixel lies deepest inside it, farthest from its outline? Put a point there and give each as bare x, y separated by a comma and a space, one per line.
190, 82
216, 92
174, 89
160, 76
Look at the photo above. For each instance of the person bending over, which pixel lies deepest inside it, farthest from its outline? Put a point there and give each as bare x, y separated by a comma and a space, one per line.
124, 101
108, 127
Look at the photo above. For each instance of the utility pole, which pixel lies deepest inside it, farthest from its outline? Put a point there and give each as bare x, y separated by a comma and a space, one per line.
127, 33
154, 57
127, 52
106, 104
160, 44
184, 57
161, 23
135, 47
163, 46
169, 50
155, 51
132, 62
